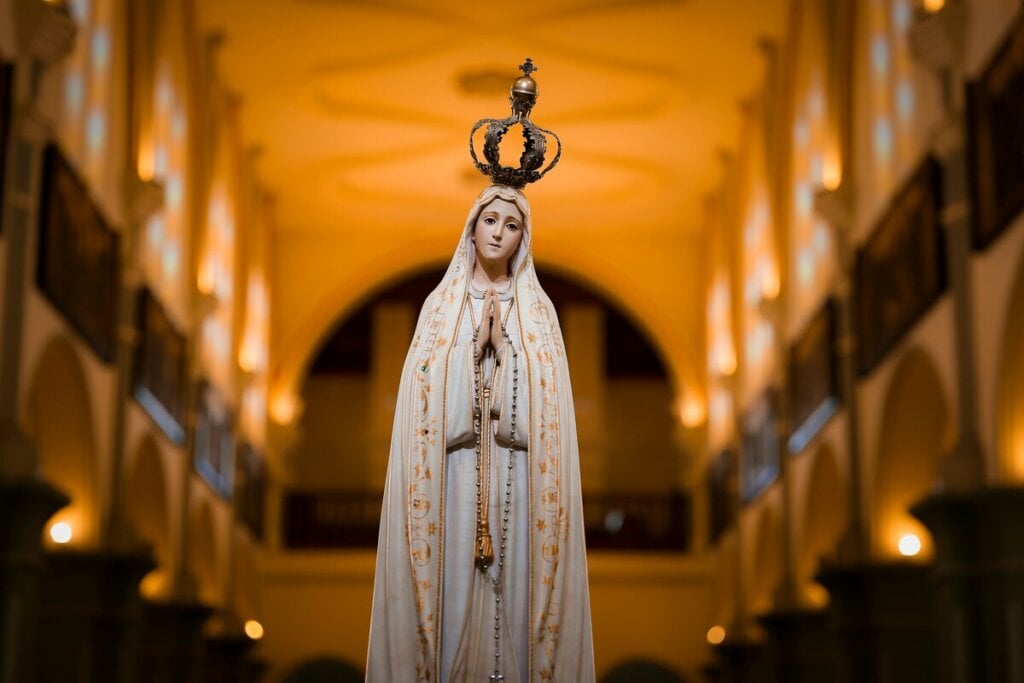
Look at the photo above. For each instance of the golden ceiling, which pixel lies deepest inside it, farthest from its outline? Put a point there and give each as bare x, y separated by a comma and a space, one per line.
362, 110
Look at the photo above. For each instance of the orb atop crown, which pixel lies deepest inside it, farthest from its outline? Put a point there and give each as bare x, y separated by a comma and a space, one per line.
522, 97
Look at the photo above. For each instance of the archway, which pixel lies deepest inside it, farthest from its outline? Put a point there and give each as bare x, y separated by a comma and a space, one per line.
59, 420
764, 566
826, 514
916, 434
146, 499
1010, 397
203, 561
346, 421
724, 584
244, 580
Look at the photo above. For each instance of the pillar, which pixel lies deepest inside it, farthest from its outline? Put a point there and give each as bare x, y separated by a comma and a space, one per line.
979, 582
171, 642
882, 623
25, 506
583, 324
391, 333
90, 616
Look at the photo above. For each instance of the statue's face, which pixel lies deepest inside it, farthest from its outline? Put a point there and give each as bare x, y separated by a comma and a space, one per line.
498, 231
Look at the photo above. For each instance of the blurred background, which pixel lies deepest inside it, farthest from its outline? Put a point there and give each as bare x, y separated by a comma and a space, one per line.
785, 242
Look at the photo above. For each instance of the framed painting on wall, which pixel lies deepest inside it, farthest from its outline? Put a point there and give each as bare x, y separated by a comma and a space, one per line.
160, 370
214, 448
995, 115
759, 458
901, 269
814, 377
79, 256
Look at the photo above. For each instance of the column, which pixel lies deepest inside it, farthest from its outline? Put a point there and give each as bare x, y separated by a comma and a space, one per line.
391, 332
979, 548
44, 34
583, 324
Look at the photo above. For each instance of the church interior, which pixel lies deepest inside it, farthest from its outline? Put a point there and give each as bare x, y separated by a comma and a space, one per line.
785, 243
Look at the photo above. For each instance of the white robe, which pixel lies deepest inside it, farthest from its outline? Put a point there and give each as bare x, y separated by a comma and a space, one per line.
433, 611
467, 628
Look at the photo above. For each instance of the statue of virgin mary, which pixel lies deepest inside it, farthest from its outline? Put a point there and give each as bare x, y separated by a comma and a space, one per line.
481, 564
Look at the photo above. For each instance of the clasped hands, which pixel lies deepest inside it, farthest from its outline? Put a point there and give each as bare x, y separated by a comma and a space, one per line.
488, 332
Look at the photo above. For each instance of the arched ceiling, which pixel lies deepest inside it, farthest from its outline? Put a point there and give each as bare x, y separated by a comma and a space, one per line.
362, 110
363, 107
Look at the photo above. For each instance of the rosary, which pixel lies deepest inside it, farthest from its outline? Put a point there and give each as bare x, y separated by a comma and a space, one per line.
484, 547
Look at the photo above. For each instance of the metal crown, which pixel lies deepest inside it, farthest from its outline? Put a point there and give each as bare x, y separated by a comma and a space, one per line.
522, 97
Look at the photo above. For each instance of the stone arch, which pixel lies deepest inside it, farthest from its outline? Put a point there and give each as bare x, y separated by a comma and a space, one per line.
299, 348
1010, 397
346, 424
826, 513
244, 582
58, 417
765, 564
202, 559
916, 434
146, 496
725, 587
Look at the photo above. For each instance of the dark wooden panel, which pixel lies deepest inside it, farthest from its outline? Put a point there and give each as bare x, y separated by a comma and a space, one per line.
901, 270
996, 139
814, 377
79, 259
723, 488
214, 453
613, 521
6, 109
251, 488
160, 382
759, 459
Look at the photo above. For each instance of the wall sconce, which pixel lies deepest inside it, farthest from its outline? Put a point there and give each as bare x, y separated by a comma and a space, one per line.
692, 411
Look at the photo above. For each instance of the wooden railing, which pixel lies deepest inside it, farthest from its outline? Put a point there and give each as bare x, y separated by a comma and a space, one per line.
614, 521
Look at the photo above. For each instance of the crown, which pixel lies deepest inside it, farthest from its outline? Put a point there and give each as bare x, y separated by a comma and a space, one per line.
522, 97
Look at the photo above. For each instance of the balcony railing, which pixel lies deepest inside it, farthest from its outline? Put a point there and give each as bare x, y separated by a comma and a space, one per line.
614, 521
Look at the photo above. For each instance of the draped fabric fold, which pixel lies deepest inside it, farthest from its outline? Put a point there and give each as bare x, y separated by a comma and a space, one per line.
408, 604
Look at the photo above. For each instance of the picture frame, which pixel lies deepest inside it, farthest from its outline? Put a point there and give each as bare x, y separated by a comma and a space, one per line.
79, 260
900, 271
995, 125
813, 377
160, 368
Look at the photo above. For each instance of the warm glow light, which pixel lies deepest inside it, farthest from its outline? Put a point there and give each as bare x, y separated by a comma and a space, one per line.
254, 629
770, 281
716, 635
816, 595
831, 173
1017, 455
154, 584
283, 408
725, 360
61, 532
248, 355
692, 412
147, 160
933, 5
909, 545
207, 279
